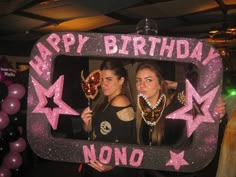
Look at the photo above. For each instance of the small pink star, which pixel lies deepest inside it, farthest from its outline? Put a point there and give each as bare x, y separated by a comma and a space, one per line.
177, 160
54, 91
182, 113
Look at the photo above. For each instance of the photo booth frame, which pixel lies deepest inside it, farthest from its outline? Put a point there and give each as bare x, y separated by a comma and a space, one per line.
203, 128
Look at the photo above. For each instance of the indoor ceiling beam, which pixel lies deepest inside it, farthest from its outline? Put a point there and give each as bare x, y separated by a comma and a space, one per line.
222, 6
31, 4
37, 17
122, 18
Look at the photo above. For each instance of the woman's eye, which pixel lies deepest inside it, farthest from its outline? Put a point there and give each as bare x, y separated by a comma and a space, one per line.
149, 80
138, 81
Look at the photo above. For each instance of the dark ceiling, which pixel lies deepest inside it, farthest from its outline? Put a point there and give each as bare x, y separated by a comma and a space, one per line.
22, 22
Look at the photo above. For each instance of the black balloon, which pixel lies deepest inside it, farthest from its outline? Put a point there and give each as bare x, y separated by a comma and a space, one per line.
4, 149
10, 133
18, 119
17, 172
3, 90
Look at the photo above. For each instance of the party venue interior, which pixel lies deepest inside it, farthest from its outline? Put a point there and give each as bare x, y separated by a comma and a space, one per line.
25, 26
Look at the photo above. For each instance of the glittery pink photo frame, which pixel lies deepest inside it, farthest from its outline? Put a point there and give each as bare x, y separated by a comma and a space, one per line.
41, 119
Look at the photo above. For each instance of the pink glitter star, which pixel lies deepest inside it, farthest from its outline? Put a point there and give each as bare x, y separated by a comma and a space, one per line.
54, 91
182, 113
177, 160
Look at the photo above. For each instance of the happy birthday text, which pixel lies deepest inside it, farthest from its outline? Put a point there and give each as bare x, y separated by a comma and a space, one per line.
123, 45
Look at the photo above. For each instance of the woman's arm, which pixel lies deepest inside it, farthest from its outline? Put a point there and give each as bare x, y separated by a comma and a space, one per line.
171, 84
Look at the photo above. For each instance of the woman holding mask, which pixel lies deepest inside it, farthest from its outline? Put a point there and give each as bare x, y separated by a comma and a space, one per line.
114, 119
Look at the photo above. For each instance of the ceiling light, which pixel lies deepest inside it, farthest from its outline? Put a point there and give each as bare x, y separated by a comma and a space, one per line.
227, 34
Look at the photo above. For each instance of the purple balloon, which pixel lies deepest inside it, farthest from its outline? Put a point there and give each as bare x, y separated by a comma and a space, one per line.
18, 145
5, 172
11, 105
4, 120
16, 91
12, 160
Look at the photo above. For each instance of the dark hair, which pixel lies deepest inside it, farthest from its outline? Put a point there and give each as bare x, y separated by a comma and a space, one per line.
158, 131
117, 67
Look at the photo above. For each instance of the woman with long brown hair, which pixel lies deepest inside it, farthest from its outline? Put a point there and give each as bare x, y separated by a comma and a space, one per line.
155, 102
114, 120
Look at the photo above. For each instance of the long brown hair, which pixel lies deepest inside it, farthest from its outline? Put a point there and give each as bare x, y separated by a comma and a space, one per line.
118, 69
158, 129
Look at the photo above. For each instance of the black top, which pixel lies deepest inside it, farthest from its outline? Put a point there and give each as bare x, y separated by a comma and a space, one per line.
112, 125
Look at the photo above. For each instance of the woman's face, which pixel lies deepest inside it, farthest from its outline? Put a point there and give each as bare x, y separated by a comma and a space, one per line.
148, 84
111, 85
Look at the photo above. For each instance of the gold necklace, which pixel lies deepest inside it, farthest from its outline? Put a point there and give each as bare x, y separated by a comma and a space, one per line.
151, 114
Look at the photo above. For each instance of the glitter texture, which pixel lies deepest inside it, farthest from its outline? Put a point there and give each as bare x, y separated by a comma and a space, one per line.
182, 113
54, 91
203, 128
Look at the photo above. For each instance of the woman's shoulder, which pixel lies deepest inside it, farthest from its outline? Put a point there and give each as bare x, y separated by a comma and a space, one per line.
125, 111
120, 101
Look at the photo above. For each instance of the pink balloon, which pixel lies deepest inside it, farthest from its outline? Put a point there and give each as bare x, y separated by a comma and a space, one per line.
12, 160
2, 76
18, 145
4, 172
4, 120
8, 82
11, 105
16, 91
20, 130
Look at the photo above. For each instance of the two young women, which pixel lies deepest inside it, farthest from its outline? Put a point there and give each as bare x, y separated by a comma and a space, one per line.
115, 120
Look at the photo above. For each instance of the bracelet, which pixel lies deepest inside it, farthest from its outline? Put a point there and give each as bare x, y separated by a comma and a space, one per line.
181, 97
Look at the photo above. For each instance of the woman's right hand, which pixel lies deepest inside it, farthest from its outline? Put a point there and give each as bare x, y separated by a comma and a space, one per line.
86, 116
99, 166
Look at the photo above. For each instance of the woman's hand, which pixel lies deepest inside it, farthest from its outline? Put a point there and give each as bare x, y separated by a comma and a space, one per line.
86, 116
99, 166
171, 84
220, 108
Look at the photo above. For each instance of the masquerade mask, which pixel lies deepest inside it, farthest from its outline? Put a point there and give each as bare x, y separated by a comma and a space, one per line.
91, 83
151, 114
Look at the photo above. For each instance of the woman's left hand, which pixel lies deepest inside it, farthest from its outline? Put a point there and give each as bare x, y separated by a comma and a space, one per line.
99, 166
220, 108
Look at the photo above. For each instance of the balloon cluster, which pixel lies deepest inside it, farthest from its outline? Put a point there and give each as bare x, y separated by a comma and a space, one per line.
12, 144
